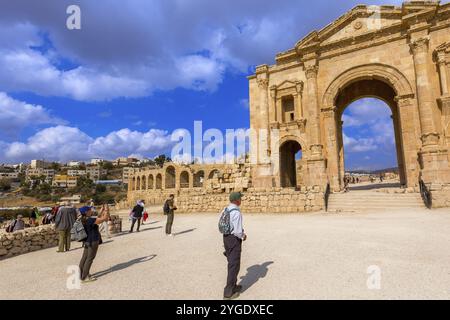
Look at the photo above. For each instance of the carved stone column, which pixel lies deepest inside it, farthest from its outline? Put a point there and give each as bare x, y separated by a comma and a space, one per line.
299, 105
332, 152
313, 108
273, 108
263, 85
420, 50
442, 65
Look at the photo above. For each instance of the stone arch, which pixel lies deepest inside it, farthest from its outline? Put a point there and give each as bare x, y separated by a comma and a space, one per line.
144, 183
150, 182
371, 80
184, 179
376, 71
288, 165
158, 181
199, 178
138, 183
212, 173
170, 177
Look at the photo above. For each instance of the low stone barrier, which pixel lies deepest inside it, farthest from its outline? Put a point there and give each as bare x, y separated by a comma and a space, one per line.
27, 240
255, 200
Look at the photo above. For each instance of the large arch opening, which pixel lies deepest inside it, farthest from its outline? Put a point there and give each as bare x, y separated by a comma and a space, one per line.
170, 177
369, 133
290, 162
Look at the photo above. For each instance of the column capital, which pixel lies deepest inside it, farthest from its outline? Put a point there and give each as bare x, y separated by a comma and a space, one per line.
263, 83
430, 139
299, 85
311, 71
273, 92
420, 45
404, 100
329, 112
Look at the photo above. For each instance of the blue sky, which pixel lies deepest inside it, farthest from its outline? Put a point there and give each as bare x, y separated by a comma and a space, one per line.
138, 70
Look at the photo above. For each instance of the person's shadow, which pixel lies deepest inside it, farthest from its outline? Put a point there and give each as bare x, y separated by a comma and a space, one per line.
123, 265
254, 273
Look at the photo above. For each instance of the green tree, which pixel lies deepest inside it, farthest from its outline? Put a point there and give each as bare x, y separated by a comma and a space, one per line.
161, 159
107, 165
100, 188
5, 185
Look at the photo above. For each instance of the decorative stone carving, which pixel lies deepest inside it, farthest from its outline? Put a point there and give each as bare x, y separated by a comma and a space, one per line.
420, 45
311, 72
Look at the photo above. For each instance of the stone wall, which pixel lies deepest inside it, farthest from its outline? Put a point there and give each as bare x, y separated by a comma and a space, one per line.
440, 194
28, 240
255, 200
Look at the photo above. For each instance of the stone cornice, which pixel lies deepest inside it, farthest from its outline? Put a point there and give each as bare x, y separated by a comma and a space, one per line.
412, 17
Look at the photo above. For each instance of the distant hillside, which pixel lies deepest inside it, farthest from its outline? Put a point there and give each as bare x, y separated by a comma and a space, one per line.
395, 169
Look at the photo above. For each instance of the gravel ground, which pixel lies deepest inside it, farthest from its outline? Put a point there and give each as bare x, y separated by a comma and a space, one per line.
314, 256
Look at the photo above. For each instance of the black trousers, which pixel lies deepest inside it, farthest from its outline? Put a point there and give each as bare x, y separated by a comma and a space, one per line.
134, 221
89, 253
169, 223
233, 248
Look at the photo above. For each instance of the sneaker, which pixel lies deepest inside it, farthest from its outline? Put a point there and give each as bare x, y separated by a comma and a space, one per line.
89, 279
234, 296
238, 288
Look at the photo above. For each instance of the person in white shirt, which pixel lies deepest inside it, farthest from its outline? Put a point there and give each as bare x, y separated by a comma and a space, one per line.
233, 246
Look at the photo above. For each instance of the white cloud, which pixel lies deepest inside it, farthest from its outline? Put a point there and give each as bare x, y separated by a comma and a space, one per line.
16, 115
133, 48
63, 143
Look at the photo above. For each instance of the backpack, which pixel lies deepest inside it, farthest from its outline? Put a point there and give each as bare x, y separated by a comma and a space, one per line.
78, 233
11, 226
224, 222
166, 207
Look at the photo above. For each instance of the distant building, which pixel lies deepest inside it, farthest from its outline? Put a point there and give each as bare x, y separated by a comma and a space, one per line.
40, 164
125, 161
94, 173
97, 161
76, 173
75, 164
109, 182
32, 174
9, 175
127, 172
64, 181
75, 199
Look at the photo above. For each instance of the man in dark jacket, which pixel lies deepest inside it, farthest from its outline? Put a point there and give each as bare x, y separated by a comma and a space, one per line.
169, 210
65, 218
137, 215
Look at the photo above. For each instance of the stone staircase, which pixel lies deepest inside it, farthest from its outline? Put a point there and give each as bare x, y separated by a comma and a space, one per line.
369, 200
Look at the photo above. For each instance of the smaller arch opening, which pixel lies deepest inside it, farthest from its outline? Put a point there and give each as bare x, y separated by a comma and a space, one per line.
158, 181
184, 180
170, 177
199, 177
150, 182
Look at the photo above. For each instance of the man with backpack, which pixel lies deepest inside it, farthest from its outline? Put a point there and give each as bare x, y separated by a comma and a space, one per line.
65, 218
16, 225
230, 225
169, 210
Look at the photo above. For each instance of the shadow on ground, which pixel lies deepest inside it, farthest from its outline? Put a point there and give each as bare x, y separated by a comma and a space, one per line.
254, 273
124, 233
182, 232
124, 265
